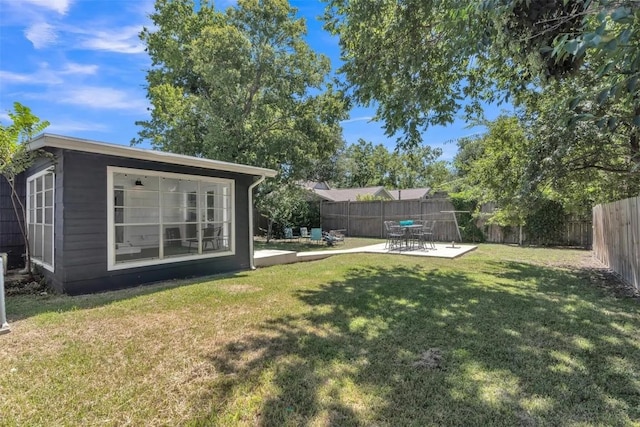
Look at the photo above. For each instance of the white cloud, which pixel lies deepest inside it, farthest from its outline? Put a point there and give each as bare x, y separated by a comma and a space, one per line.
60, 6
121, 40
41, 35
73, 68
67, 126
101, 98
9, 77
42, 76
45, 75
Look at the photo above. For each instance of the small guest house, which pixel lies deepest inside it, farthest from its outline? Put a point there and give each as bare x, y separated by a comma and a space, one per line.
104, 216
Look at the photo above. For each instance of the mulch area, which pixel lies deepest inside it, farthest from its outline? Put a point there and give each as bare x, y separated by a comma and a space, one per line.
17, 283
602, 277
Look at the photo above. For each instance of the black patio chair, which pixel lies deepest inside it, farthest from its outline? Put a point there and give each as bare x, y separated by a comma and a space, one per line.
395, 235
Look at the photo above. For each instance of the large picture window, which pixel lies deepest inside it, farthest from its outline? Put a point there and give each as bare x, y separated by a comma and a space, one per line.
40, 192
157, 217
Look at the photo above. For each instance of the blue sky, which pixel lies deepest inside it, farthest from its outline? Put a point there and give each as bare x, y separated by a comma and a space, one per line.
80, 65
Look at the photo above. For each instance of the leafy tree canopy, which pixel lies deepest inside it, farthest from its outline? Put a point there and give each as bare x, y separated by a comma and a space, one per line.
423, 61
241, 86
493, 169
15, 158
366, 165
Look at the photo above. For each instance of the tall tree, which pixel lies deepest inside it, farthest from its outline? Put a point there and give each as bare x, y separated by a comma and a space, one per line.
366, 165
493, 169
239, 86
600, 164
15, 158
420, 59
283, 204
417, 167
363, 165
423, 61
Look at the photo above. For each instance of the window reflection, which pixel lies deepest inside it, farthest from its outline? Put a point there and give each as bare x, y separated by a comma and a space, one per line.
158, 217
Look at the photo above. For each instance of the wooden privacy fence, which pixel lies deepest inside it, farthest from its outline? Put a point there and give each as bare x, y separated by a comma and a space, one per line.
366, 219
616, 238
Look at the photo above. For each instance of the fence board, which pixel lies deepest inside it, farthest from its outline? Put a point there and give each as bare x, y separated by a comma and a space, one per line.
366, 219
616, 238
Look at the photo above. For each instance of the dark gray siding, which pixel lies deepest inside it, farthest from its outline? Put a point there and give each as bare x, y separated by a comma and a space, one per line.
82, 266
11, 240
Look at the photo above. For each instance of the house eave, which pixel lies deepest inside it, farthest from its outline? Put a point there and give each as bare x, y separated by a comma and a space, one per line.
77, 144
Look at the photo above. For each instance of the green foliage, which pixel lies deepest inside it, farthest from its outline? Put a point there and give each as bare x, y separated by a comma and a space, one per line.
495, 167
467, 220
369, 198
366, 165
419, 59
408, 58
584, 164
492, 168
15, 158
363, 165
545, 223
240, 86
283, 204
572, 66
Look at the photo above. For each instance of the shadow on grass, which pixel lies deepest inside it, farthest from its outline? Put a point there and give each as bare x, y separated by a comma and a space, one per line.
21, 307
520, 345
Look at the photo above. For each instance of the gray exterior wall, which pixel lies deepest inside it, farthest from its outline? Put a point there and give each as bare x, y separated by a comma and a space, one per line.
11, 240
81, 226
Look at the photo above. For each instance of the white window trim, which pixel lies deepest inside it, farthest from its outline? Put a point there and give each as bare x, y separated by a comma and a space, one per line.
111, 229
49, 267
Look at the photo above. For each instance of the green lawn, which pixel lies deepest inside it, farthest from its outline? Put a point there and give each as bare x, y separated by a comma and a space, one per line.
501, 336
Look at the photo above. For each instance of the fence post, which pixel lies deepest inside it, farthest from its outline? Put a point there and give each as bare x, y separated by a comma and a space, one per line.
382, 231
4, 326
348, 217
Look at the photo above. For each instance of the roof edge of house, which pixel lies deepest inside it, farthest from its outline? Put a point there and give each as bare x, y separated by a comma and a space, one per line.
89, 146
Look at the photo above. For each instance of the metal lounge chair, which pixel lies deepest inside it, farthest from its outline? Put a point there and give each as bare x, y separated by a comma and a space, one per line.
288, 234
316, 235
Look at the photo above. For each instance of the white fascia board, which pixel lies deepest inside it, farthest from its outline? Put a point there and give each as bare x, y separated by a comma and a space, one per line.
87, 146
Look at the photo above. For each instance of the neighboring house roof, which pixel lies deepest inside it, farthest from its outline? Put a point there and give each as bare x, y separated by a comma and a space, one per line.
410, 193
68, 143
315, 185
345, 194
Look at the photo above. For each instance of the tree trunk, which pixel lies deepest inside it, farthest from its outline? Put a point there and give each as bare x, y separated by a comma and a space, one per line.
269, 229
520, 236
21, 218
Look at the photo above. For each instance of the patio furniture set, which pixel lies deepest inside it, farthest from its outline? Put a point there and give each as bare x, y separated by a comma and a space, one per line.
316, 235
410, 235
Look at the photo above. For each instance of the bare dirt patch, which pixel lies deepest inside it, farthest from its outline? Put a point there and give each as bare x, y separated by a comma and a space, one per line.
430, 359
239, 289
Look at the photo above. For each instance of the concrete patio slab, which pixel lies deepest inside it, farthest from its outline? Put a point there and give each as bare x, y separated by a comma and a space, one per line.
266, 258
442, 250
